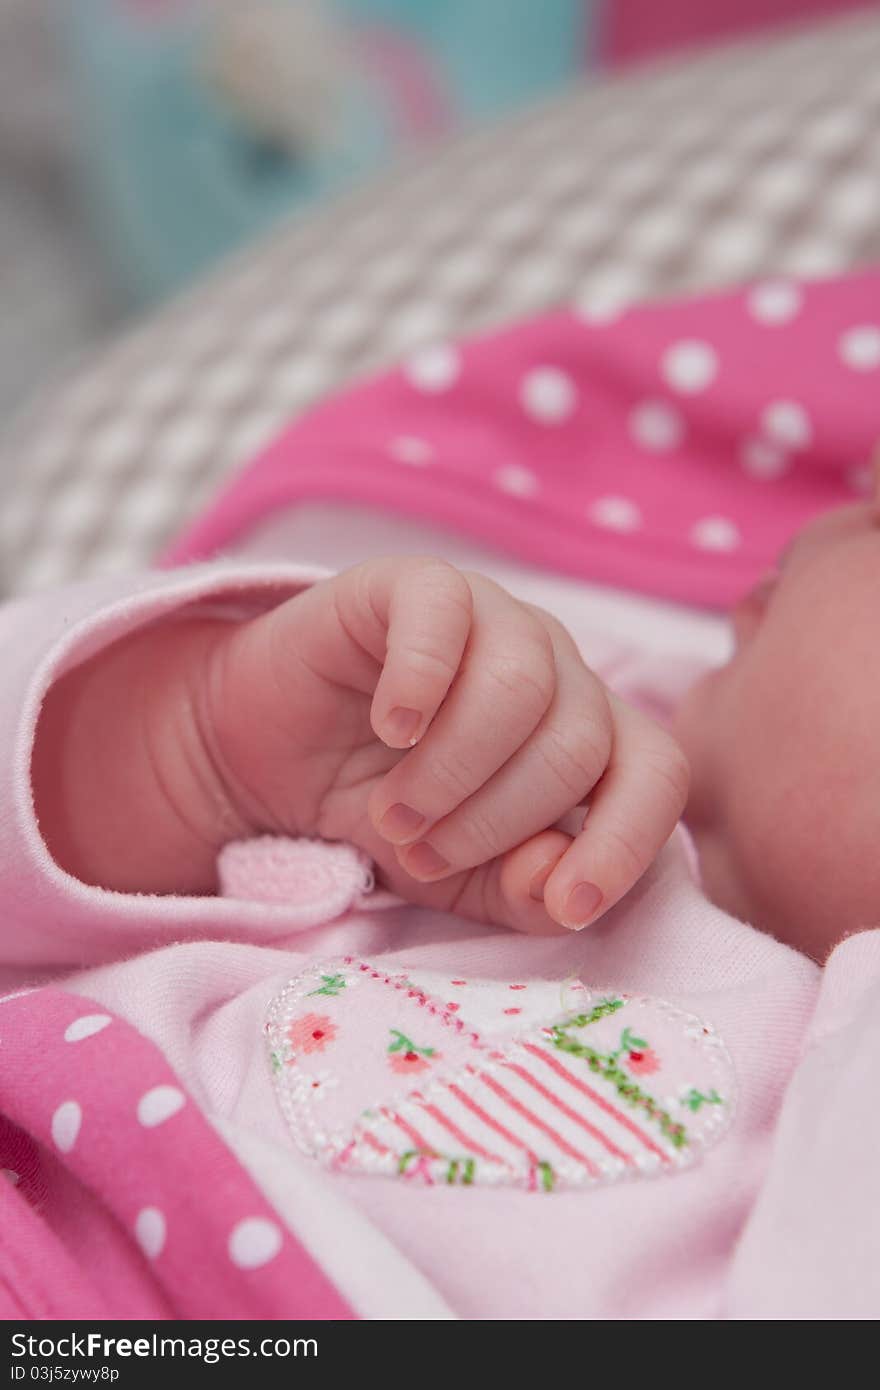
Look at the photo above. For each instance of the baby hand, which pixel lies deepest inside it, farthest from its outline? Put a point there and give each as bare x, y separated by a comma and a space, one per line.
424, 714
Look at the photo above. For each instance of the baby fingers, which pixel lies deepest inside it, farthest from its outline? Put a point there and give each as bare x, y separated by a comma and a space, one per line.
506, 682
426, 607
471, 804
633, 811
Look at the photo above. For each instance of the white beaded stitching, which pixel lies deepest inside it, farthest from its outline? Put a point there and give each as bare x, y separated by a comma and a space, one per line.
295, 1100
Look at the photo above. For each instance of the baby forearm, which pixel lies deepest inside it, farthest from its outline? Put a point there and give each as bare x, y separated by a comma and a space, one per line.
127, 789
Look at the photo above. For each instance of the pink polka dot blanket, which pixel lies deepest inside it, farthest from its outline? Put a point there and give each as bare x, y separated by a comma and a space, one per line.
118, 1199
671, 448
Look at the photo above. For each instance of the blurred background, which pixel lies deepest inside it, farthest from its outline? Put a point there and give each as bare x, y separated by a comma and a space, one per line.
142, 140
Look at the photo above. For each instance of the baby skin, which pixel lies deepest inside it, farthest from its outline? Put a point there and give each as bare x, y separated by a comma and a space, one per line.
447, 728
416, 711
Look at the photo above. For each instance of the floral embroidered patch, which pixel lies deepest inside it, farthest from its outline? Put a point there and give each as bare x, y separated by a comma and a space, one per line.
537, 1086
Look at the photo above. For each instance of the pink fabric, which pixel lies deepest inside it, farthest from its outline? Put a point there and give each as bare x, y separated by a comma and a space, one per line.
312, 881
190, 1013
125, 1203
672, 448
81, 1168
43, 636
773, 1212
650, 1246
638, 29
812, 1245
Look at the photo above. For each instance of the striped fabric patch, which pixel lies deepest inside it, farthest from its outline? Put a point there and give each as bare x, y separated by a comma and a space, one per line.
531, 1084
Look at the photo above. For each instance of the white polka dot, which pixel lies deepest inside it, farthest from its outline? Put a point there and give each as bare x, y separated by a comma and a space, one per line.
65, 1125
762, 459
548, 395
656, 425
615, 513
515, 480
689, 366
859, 347
254, 1242
433, 368
86, 1027
408, 448
715, 533
775, 301
787, 423
11, 1176
150, 1230
159, 1104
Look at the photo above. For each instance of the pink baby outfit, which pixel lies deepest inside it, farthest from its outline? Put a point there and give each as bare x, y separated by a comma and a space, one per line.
339, 1105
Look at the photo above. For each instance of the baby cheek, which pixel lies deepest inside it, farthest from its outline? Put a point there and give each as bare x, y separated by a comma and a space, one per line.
801, 777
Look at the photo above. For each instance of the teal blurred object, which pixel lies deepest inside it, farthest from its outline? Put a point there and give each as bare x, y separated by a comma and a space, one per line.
201, 121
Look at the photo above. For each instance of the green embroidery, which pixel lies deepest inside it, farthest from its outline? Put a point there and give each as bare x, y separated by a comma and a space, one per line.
548, 1177
605, 1064
458, 1170
276, 1062
601, 1010
461, 1169
629, 1043
406, 1159
464, 1170
695, 1100
405, 1044
333, 985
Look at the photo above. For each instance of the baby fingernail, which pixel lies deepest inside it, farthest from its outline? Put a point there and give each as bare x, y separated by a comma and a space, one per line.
423, 861
402, 725
539, 878
581, 904
400, 823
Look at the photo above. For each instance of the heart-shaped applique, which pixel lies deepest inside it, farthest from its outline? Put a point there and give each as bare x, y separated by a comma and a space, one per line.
534, 1085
